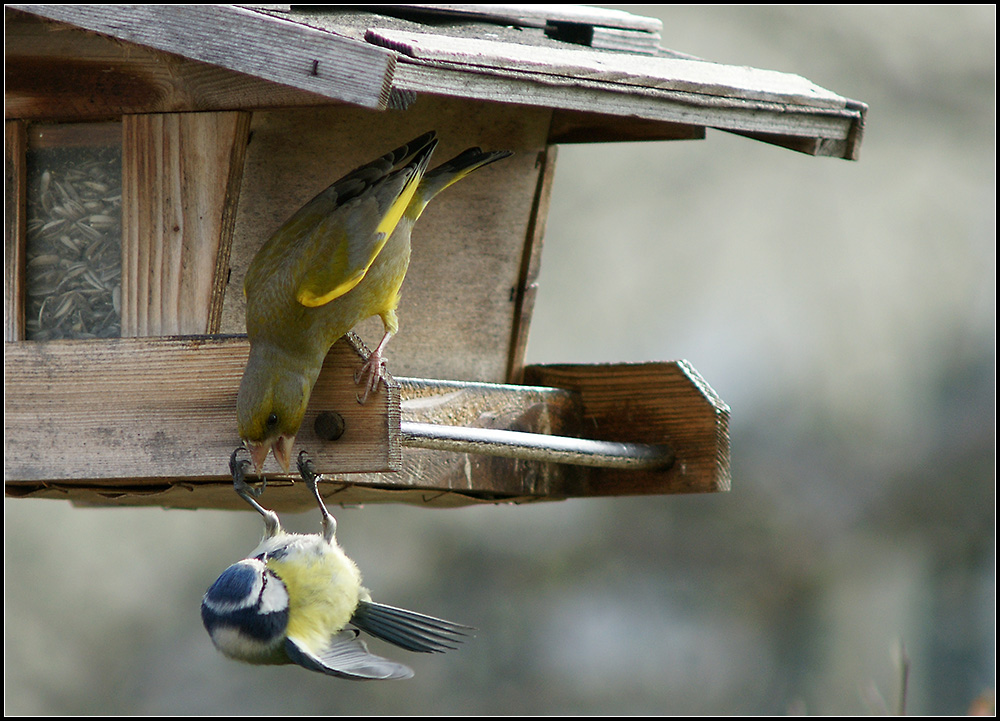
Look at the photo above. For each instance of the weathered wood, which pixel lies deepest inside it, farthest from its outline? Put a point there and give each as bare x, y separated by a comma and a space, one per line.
659, 403
691, 76
777, 120
575, 126
58, 73
133, 412
181, 175
649, 403
230, 37
606, 29
15, 145
55, 72
538, 16
527, 287
460, 294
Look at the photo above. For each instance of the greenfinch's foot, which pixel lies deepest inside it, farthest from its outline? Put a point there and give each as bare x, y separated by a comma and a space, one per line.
369, 375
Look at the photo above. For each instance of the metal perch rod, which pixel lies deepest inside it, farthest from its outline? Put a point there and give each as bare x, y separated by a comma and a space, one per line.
536, 446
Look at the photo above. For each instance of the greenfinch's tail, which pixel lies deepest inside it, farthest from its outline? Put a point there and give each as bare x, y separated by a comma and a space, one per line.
449, 173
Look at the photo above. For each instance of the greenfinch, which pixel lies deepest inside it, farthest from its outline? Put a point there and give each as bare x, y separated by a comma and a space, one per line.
338, 260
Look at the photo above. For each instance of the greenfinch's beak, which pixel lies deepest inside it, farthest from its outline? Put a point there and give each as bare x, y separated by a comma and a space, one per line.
283, 451
282, 447
258, 453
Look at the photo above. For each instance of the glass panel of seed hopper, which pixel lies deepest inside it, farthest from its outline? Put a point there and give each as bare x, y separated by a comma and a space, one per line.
74, 247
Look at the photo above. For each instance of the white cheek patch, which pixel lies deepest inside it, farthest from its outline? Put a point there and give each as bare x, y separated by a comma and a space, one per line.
273, 598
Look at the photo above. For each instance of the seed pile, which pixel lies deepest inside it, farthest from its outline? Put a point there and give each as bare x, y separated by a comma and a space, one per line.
74, 247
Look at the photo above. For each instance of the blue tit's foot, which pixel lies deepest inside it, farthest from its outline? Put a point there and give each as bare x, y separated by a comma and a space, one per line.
239, 470
309, 475
249, 493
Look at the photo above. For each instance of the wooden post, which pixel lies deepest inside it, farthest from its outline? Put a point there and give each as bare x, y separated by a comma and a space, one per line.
181, 177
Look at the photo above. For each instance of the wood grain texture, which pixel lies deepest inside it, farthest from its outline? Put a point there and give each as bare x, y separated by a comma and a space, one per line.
539, 15
666, 403
65, 432
594, 27
664, 73
56, 72
181, 174
531, 259
242, 40
422, 477
140, 411
15, 145
459, 297
574, 126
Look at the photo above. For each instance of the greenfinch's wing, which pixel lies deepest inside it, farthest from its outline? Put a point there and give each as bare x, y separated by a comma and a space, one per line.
327, 246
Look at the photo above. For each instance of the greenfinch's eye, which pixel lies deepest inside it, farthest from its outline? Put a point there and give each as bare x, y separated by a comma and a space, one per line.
272, 420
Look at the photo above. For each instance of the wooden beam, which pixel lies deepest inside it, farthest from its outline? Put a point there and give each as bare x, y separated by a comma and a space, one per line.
141, 411
59, 73
123, 439
242, 40
181, 177
559, 65
531, 259
575, 126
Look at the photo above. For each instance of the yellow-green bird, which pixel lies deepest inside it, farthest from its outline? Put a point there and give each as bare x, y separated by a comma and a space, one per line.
339, 259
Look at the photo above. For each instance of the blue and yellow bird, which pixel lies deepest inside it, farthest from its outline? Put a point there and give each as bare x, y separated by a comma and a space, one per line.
338, 260
298, 599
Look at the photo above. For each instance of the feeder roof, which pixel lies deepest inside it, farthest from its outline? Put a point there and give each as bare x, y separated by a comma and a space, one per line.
602, 72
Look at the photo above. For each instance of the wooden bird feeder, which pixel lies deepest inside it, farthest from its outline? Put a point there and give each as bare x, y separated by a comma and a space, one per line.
151, 149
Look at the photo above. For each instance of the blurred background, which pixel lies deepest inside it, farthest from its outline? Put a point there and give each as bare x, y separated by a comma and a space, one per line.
846, 313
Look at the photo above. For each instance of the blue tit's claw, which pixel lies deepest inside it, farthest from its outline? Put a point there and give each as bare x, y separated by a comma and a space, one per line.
306, 468
239, 470
311, 478
250, 494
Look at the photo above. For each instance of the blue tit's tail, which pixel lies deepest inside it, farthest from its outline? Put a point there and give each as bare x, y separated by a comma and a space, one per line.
407, 629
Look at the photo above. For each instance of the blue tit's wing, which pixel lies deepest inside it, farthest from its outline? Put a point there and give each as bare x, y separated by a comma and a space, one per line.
408, 629
346, 656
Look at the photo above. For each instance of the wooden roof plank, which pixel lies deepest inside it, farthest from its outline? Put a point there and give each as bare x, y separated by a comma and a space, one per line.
231, 37
538, 15
666, 73
644, 104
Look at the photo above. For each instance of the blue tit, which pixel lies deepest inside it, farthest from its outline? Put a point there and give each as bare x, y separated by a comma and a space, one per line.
293, 600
